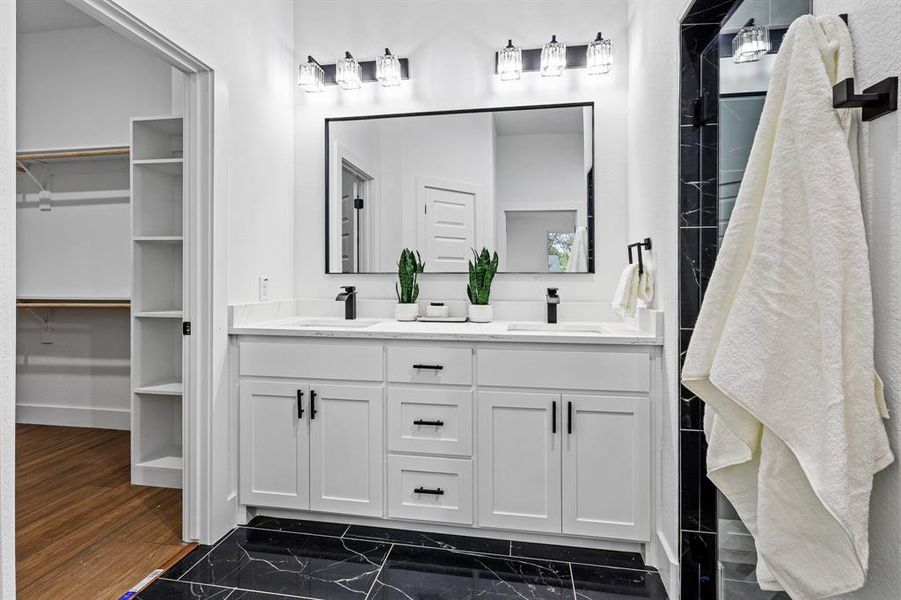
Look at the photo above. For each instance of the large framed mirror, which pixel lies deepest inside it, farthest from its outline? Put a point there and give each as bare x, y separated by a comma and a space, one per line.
517, 180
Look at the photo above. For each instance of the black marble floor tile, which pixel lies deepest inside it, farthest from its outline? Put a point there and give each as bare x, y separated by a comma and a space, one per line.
594, 583
295, 526
163, 589
590, 556
292, 563
248, 595
421, 573
429, 540
187, 561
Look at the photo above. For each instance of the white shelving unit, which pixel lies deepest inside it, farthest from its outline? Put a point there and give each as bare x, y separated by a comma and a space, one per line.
157, 301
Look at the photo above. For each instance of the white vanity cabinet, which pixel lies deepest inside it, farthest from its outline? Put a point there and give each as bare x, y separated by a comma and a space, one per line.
543, 439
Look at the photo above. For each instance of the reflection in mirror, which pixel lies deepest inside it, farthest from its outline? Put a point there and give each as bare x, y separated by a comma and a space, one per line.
515, 180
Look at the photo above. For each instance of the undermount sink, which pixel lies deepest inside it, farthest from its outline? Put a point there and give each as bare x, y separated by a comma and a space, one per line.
336, 323
558, 327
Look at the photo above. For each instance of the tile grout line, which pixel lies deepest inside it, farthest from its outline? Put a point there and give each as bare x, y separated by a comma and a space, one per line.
379, 572
572, 579
214, 546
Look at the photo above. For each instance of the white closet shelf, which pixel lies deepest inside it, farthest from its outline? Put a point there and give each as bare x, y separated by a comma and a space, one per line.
162, 239
169, 460
173, 388
169, 166
159, 314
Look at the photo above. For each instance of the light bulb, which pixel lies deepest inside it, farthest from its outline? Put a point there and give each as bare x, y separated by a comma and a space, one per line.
509, 62
553, 58
599, 56
387, 69
310, 76
348, 73
752, 42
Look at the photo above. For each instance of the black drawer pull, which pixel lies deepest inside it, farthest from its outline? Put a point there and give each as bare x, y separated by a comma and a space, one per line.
312, 404
569, 417
429, 423
300, 404
432, 367
554, 416
422, 490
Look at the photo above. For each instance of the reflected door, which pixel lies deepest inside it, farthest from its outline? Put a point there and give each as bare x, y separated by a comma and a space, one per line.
447, 232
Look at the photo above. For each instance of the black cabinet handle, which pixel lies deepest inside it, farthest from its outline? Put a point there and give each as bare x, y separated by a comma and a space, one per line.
554, 416
431, 423
432, 367
300, 404
312, 404
569, 417
422, 490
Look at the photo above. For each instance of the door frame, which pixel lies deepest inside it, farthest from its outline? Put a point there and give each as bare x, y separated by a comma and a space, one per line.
338, 155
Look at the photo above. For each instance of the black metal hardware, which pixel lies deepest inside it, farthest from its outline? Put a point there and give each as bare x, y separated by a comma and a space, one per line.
300, 404
569, 417
349, 297
576, 58
431, 367
646, 244
367, 68
552, 301
358, 203
312, 404
876, 100
554, 416
186, 328
429, 423
435, 492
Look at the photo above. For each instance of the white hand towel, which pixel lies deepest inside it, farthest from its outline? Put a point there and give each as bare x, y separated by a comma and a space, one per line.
646, 284
782, 351
578, 254
626, 297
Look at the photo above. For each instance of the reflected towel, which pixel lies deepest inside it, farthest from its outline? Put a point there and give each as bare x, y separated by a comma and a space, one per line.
578, 253
626, 297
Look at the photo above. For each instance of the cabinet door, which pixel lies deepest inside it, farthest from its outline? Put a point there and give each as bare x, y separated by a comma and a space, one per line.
606, 467
275, 439
519, 461
346, 449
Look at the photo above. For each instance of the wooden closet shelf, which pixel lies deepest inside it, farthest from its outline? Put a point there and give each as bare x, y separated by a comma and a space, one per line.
50, 303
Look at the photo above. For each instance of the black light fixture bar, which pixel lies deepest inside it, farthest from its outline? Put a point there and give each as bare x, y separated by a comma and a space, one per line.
576, 58
367, 69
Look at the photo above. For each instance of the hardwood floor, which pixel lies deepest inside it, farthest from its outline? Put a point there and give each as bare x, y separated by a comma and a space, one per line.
82, 530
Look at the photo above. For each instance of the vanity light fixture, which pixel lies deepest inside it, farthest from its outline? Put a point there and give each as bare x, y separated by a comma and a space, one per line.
599, 56
387, 69
310, 76
553, 58
509, 62
751, 43
348, 73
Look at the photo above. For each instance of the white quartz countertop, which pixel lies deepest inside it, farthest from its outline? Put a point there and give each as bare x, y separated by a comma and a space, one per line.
498, 331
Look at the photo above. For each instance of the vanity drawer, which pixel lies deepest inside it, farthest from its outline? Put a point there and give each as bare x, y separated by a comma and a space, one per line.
565, 370
436, 421
430, 489
311, 361
430, 365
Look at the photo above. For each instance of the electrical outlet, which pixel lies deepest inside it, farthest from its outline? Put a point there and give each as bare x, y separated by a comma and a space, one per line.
264, 289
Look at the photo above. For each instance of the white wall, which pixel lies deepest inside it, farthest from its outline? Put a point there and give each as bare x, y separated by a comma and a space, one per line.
876, 30
451, 47
7, 298
80, 87
653, 204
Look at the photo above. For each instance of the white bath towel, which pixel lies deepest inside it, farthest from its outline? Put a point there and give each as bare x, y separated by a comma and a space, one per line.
646, 284
782, 352
626, 297
578, 254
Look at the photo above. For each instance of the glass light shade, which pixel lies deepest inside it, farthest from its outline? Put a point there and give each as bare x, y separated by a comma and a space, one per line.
553, 58
387, 69
751, 43
599, 56
310, 76
348, 73
509, 62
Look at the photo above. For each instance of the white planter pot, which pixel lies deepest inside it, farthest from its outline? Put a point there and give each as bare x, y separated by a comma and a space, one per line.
481, 313
406, 312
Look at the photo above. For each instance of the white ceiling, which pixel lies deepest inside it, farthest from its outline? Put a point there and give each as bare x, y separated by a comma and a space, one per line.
543, 120
33, 16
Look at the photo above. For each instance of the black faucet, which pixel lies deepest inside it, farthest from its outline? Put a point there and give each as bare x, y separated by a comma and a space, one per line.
552, 301
349, 297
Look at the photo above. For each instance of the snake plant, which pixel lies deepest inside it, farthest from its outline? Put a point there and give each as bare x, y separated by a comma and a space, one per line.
408, 269
481, 272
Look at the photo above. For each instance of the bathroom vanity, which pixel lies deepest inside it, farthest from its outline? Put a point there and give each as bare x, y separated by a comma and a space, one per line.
477, 429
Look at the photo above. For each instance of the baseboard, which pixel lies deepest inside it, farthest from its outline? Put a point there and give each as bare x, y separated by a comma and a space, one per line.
74, 416
668, 566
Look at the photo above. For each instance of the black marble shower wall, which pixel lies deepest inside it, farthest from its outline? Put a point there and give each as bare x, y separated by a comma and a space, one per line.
698, 245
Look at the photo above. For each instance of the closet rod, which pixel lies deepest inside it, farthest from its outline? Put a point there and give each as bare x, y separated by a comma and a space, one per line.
74, 153
73, 303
